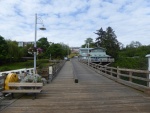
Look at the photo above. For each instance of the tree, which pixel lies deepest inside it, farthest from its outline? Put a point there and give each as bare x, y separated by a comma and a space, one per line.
3, 49
25, 50
90, 41
134, 44
43, 44
57, 51
100, 40
107, 39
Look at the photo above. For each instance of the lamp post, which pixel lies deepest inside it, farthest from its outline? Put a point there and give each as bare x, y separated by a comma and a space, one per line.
88, 54
148, 56
42, 28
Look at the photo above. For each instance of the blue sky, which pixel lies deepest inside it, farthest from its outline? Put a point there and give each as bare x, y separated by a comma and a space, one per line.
72, 21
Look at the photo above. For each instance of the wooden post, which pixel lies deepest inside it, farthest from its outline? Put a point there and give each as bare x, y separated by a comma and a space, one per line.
130, 76
105, 70
118, 72
111, 70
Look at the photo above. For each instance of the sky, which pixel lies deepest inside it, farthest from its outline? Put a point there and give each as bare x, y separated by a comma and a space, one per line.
73, 21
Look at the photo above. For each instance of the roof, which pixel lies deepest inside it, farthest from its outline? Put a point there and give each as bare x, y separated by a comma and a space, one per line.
85, 48
99, 48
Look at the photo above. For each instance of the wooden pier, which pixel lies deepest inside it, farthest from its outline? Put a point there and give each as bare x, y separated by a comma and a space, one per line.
93, 93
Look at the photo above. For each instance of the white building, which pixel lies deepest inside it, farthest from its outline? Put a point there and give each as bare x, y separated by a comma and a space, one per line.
23, 44
95, 55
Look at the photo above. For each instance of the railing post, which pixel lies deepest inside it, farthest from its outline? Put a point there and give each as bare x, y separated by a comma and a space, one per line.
105, 70
96, 66
50, 73
102, 69
130, 76
111, 70
118, 72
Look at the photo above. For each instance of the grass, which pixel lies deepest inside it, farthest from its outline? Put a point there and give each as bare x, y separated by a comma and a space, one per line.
27, 64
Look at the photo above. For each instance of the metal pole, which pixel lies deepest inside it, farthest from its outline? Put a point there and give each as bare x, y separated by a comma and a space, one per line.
68, 51
148, 56
35, 44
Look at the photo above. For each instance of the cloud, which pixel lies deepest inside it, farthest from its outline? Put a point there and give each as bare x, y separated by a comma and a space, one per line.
72, 21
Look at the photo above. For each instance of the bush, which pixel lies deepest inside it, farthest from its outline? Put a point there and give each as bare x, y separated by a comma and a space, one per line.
5, 68
131, 63
28, 64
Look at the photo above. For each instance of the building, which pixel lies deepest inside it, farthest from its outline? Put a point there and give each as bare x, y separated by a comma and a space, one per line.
74, 49
96, 55
23, 44
83, 53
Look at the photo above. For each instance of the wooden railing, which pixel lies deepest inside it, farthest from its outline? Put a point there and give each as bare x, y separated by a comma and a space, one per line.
138, 79
50, 72
97, 60
57, 67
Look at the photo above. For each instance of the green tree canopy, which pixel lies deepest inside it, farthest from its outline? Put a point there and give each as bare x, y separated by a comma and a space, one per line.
57, 51
13, 49
108, 39
100, 40
43, 43
90, 41
134, 44
3, 48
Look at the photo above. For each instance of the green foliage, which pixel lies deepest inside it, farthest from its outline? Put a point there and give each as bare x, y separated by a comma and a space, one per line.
13, 50
90, 41
140, 51
10, 52
107, 39
133, 57
3, 49
134, 44
4, 68
57, 51
43, 44
131, 63
28, 64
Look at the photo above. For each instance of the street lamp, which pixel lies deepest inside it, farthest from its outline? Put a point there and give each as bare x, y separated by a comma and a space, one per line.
88, 54
42, 28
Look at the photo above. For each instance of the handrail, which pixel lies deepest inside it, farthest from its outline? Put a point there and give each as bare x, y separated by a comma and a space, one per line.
56, 68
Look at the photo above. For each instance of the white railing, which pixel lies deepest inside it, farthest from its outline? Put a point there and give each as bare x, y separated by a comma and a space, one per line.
18, 71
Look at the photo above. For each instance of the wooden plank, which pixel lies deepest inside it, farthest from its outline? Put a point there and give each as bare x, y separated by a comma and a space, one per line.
23, 91
25, 84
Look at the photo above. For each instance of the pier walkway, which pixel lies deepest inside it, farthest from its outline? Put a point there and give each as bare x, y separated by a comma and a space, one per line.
92, 94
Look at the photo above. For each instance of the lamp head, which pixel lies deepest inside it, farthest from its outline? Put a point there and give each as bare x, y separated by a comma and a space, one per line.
42, 28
